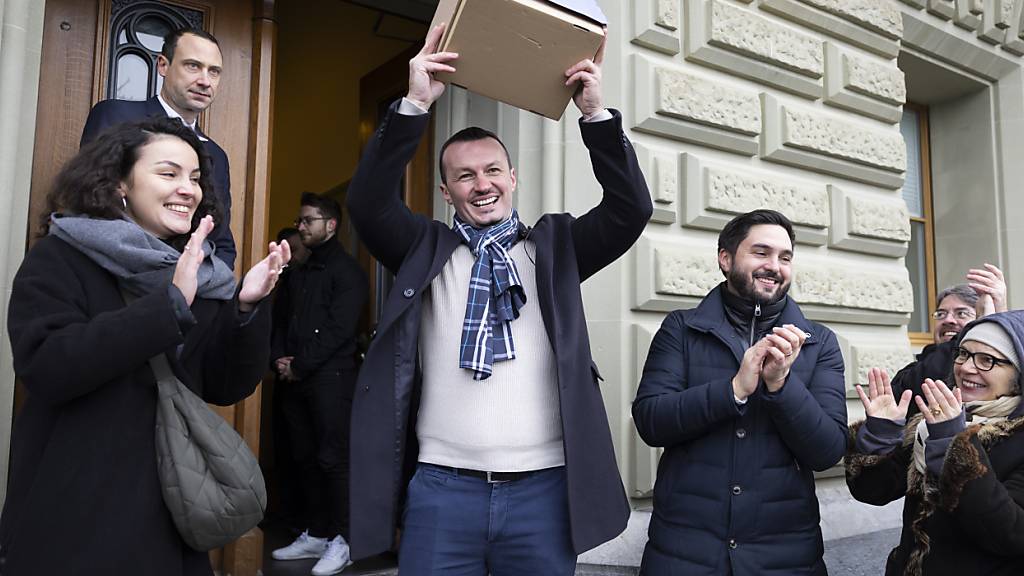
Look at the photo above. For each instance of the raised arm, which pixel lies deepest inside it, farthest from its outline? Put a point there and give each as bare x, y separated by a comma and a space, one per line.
608, 230
385, 224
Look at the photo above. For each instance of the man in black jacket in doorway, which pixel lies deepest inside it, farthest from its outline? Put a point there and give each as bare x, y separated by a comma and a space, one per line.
314, 354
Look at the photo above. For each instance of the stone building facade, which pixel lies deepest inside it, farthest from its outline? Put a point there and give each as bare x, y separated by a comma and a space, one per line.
797, 105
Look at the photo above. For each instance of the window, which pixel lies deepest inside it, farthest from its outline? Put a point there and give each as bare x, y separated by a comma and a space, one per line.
917, 193
137, 30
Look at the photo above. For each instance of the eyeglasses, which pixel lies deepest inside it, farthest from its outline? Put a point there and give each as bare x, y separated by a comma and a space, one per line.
308, 220
959, 314
982, 360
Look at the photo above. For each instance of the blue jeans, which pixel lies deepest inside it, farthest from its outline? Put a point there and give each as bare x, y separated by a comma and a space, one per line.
462, 525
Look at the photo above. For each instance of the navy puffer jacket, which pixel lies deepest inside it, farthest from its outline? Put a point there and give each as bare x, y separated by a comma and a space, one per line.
735, 488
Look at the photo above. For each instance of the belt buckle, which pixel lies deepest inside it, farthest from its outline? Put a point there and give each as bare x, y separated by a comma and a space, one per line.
490, 480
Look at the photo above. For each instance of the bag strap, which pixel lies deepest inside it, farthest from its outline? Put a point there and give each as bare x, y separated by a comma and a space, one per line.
161, 367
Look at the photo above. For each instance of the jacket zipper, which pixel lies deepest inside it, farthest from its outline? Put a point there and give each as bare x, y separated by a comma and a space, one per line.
753, 323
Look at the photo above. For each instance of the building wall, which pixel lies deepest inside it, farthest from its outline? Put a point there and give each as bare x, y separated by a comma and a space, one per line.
795, 105
21, 33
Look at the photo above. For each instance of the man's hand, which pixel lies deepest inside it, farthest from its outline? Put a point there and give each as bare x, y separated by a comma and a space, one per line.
423, 88
281, 363
880, 402
588, 97
784, 345
991, 289
745, 382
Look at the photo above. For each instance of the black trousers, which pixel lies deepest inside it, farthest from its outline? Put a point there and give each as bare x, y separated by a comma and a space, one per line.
317, 413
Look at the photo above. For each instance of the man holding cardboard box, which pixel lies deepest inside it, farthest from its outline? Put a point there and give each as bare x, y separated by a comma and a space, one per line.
480, 378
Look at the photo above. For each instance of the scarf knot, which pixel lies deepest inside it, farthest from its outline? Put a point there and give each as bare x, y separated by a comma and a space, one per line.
495, 296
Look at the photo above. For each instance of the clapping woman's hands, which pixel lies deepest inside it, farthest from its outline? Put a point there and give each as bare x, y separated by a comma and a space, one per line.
879, 401
186, 271
261, 278
937, 402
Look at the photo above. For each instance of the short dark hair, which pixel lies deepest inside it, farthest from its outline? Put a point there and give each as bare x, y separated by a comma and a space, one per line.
471, 134
328, 207
285, 233
89, 183
172, 37
961, 291
737, 229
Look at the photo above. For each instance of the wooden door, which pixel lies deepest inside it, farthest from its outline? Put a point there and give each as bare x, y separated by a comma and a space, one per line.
377, 90
80, 39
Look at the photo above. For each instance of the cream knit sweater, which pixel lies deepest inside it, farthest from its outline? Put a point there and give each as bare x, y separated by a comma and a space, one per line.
509, 422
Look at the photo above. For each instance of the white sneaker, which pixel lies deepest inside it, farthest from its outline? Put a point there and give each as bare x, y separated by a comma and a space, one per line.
334, 560
305, 546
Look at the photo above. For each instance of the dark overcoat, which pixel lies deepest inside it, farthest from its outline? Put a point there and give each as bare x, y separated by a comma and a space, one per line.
415, 248
107, 113
735, 488
970, 520
84, 497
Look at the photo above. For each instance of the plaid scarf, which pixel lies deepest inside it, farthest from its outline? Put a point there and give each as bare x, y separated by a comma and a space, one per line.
495, 296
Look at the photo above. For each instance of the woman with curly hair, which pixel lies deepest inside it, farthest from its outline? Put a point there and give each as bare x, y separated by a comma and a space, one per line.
959, 463
123, 273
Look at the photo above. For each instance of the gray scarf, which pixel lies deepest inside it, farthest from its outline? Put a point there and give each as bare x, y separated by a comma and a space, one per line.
141, 262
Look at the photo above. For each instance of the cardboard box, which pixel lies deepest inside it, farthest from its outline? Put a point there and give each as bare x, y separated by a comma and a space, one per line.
517, 51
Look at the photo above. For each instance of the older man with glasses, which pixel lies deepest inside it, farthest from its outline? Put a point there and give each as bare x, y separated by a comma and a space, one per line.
956, 306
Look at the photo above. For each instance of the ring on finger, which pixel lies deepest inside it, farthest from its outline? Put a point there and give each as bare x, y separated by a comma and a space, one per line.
936, 411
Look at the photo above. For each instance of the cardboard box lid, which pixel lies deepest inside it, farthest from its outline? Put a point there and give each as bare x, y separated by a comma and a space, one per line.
586, 8
517, 51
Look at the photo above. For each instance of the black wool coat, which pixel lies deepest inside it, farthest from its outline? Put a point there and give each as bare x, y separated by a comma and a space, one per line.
569, 250
969, 521
316, 312
84, 497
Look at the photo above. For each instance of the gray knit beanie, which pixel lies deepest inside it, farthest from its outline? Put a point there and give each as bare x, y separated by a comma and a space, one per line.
993, 334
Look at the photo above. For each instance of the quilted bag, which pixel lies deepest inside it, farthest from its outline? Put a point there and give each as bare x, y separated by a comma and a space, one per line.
211, 481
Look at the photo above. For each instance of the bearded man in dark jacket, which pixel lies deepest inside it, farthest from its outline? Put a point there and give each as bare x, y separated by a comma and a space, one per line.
748, 399
316, 313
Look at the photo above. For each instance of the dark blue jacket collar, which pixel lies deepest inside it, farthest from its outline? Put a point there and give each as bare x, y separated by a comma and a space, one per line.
709, 316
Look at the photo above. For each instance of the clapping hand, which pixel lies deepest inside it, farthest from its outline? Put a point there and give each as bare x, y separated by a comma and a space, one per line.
784, 344
879, 402
937, 402
261, 278
186, 271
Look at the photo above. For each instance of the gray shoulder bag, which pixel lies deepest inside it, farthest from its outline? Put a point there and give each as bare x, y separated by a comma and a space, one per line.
211, 481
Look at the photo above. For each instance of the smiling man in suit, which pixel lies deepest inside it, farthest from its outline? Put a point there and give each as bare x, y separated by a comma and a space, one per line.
190, 63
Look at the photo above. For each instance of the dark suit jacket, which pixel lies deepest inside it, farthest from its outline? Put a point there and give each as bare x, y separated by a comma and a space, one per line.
415, 248
111, 112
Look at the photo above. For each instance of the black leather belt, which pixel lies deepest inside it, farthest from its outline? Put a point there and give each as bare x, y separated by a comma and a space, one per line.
489, 477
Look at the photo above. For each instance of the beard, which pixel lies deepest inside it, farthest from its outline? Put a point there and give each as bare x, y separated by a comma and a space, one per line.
743, 284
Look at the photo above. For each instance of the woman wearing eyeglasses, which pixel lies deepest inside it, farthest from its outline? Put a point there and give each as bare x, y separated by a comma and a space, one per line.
960, 462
